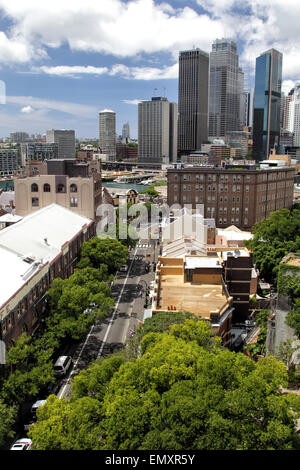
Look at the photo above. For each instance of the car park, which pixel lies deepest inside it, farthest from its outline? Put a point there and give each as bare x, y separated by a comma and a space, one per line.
22, 444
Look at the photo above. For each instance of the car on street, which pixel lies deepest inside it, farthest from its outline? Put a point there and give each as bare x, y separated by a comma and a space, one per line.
62, 365
124, 268
22, 444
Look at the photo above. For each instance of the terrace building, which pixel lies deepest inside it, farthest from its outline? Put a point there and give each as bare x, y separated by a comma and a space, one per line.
39, 248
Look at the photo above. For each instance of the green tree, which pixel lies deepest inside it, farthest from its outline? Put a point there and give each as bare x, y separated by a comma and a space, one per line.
293, 317
275, 237
7, 418
107, 251
184, 391
65, 425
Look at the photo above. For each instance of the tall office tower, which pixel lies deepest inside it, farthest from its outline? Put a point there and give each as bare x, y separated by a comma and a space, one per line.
126, 133
250, 107
224, 88
107, 132
65, 140
267, 100
192, 100
282, 102
288, 123
294, 115
157, 128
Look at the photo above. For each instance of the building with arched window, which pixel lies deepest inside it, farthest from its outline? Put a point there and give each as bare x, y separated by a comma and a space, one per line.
73, 184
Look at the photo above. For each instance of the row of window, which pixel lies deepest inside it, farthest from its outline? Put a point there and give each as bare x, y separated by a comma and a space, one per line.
59, 189
35, 202
213, 178
200, 187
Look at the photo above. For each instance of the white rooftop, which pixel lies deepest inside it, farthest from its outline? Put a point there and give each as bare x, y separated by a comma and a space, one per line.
192, 262
9, 218
39, 238
234, 235
234, 252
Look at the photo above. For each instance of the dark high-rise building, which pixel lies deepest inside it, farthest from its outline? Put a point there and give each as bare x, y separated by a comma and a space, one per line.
225, 88
267, 103
192, 100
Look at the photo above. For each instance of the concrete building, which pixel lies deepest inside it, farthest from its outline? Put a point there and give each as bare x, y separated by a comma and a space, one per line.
267, 103
19, 137
224, 89
194, 284
34, 251
38, 151
238, 196
107, 133
157, 128
72, 184
192, 100
126, 133
8, 161
65, 140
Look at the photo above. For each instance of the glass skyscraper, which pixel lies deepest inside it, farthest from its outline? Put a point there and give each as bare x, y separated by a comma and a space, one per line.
226, 79
267, 103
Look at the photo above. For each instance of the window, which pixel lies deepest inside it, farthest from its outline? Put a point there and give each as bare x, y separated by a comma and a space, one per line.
35, 202
175, 198
73, 188
247, 189
47, 188
73, 202
60, 188
34, 188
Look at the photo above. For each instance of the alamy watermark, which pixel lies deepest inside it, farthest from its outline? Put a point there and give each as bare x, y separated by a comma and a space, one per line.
140, 222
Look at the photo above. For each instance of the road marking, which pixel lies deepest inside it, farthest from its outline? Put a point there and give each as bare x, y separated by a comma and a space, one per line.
61, 393
115, 310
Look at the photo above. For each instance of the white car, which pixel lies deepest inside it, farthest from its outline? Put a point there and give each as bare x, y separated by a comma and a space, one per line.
22, 444
124, 268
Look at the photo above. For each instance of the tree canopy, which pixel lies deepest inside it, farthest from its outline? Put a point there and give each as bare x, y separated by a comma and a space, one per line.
184, 391
109, 251
275, 237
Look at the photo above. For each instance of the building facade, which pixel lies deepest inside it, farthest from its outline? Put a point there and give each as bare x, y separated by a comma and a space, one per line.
267, 103
107, 132
8, 161
126, 133
157, 130
225, 88
41, 247
38, 151
74, 185
65, 140
239, 197
192, 100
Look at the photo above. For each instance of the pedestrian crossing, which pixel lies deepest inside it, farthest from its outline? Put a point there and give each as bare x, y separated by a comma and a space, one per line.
143, 245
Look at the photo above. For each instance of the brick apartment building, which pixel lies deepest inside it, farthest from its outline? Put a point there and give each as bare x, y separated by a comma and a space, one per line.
238, 196
72, 184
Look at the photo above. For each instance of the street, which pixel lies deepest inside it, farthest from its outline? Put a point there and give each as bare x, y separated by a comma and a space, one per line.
128, 291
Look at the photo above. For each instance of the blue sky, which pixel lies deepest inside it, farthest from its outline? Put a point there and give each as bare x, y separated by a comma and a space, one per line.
63, 61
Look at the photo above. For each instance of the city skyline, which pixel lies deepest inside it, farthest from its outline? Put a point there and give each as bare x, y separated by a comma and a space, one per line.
60, 75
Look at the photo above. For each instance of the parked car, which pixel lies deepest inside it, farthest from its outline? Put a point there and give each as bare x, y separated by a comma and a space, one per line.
124, 268
62, 365
22, 444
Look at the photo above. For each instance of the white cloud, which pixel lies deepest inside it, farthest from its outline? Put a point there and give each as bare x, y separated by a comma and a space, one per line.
132, 73
49, 105
129, 28
27, 109
110, 26
73, 70
145, 73
134, 102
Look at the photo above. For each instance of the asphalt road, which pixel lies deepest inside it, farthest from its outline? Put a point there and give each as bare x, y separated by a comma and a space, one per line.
128, 290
